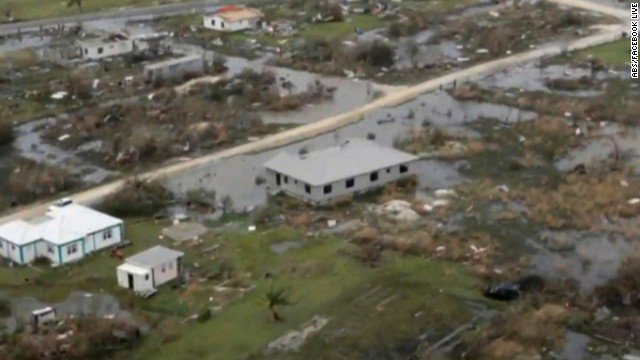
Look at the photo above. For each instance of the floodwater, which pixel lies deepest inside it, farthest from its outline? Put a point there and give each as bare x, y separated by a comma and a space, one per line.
532, 77
78, 304
590, 259
348, 94
603, 146
29, 144
236, 176
426, 54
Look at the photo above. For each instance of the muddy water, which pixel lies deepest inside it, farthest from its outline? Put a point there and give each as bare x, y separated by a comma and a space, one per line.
590, 259
427, 54
532, 77
603, 147
29, 144
236, 176
348, 94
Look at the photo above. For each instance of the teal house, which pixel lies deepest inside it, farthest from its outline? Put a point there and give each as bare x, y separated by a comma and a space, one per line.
66, 233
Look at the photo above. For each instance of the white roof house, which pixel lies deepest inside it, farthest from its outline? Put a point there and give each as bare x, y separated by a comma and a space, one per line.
353, 167
146, 270
65, 233
104, 47
234, 18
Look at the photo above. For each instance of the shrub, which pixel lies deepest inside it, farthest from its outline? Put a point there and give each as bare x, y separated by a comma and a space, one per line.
375, 53
6, 132
204, 315
137, 198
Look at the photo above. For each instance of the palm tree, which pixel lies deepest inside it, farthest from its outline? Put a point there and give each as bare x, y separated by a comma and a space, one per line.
75, 2
276, 298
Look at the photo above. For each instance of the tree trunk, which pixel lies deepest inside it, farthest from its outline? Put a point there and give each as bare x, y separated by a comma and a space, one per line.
276, 317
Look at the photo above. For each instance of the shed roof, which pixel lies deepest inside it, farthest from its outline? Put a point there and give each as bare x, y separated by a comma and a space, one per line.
133, 269
153, 257
354, 157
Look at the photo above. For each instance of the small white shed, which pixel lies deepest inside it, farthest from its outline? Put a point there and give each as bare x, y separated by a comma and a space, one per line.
146, 270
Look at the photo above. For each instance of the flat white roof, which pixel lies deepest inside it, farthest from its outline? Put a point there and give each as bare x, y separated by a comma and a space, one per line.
133, 269
59, 226
153, 257
354, 157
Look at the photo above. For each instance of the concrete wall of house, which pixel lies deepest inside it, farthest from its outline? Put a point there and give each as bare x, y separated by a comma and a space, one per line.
317, 196
106, 238
174, 71
165, 272
219, 24
4, 248
71, 251
140, 282
28, 253
45, 249
14, 253
107, 49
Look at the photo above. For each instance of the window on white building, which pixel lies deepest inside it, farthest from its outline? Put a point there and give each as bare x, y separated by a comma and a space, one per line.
163, 269
50, 249
373, 176
72, 249
107, 234
404, 169
100, 50
327, 189
350, 183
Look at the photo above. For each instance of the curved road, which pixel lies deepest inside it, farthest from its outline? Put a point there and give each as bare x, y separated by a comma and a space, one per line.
612, 33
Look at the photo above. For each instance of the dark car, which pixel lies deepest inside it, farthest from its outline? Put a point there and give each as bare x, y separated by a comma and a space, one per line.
503, 291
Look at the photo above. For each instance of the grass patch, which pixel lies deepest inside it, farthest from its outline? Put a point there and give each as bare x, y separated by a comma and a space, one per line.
322, 280
616, 53
339, 29
37, 9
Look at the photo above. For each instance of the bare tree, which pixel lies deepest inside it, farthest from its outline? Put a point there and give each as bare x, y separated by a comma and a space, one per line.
8, 10
77, 3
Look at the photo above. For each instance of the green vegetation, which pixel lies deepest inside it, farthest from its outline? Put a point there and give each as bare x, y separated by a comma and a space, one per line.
339, 29
616, 53
19, 10
320, 280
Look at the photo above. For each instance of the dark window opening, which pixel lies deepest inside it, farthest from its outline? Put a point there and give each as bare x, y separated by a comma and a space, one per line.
388, 170
327, 189
373, 176
350, 183
404, 169
100, 50
307, 188
286, 179
213, 23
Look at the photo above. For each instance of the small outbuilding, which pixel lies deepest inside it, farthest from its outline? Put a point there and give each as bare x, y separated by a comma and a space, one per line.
234, 18
146, 270
354, 167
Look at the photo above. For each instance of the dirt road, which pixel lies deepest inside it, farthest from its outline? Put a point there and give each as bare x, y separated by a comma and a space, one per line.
392, 99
